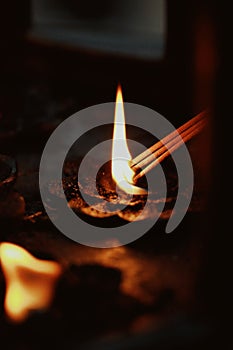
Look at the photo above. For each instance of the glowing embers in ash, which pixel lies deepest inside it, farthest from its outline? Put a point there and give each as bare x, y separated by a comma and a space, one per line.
113, 191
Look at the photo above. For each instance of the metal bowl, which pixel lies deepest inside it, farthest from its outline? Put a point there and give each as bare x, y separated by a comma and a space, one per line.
8, 172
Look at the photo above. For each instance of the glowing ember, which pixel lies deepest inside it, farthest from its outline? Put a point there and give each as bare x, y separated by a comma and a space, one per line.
121, 157
30, 282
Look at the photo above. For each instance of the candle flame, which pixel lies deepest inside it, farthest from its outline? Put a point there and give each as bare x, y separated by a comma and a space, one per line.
122, 173
30, 282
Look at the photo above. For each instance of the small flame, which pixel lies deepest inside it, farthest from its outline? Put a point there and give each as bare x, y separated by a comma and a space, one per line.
121, 157
30, 282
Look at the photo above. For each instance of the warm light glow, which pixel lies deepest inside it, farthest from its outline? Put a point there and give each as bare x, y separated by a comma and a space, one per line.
121, 170
30, 282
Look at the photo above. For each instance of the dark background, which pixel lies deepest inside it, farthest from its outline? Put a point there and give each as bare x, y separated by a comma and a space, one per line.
194, 73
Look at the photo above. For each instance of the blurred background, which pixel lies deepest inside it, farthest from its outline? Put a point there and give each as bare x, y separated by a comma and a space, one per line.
86, 48
58, 57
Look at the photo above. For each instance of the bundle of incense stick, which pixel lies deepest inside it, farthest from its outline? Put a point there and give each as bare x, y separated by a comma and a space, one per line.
165, 147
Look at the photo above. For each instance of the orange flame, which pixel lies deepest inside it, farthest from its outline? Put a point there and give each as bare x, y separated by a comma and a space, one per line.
30, 282
122, 173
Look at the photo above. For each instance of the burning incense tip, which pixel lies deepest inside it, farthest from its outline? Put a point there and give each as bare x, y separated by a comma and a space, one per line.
30, 282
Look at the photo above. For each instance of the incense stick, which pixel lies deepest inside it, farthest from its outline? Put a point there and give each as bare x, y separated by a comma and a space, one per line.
165, 147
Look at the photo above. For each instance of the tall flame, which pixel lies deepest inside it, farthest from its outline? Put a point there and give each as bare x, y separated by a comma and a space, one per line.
121, 170
30, 282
